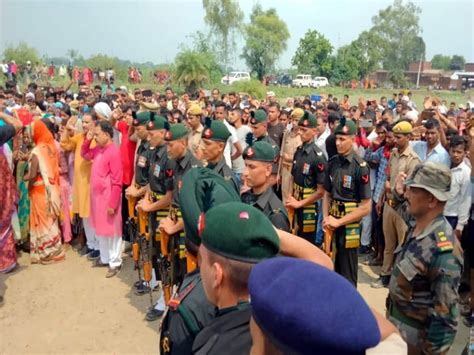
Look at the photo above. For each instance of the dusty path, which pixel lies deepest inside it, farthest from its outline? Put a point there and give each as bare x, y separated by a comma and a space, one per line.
72, 308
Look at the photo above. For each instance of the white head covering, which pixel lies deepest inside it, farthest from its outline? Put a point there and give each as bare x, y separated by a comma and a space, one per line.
103, 109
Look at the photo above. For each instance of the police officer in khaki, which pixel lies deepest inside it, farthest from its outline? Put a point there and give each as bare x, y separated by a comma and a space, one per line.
403, 159
346, 200
193, 120
291, 141
423, 290
308, 173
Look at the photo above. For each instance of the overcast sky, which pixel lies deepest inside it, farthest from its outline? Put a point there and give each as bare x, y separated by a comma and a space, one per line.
151, 30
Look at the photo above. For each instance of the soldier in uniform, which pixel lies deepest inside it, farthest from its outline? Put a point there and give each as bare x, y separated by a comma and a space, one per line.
189, 311
346, 200
225, 264
259, 126
177, 148
291, 141
157, 198
140, 180
308, 172
138, 188
423, 289
214, 138
259, 158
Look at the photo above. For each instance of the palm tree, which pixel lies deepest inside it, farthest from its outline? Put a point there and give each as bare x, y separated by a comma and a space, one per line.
192, 69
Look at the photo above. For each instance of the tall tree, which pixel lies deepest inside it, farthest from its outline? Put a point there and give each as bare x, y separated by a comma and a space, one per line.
457, 62
347, 64
192, 69
265, 40
21, 53
225, 19
398, 30
313, 55
440, 61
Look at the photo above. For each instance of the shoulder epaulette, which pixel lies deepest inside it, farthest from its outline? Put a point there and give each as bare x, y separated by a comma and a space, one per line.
443, 243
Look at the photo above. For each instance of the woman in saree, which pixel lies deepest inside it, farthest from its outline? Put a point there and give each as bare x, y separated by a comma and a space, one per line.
9, 199
45, 201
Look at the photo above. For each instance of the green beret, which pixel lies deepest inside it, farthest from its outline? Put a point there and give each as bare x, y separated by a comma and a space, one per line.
157, 122
215, 131
260, 151
240, 232
142, 118
308, 120
201, 190
258, 116
346, 127
176, 131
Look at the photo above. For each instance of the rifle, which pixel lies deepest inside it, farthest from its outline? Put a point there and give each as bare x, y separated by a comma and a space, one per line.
142, 224
132, 230
328, 234
291, 219
166, 266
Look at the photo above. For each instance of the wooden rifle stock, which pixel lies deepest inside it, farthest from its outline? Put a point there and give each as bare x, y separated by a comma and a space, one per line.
165, 262
328, 234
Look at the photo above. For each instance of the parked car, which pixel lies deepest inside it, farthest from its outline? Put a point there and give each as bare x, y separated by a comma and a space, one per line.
319, 82
302, 80
284, 80
234, 76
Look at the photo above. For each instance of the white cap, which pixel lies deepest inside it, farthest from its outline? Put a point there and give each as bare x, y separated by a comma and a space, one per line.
405, 98
411, 115
270, 94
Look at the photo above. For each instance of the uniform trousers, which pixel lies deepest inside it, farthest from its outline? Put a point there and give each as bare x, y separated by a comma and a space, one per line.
394, 230
346, 258
92, 242
110, 250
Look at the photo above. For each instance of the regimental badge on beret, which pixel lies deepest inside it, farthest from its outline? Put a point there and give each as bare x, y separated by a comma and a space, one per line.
345, 129
135, 122
250, 152
305, 123
168, 135
151, 124
201, 223
207, 133
253, 121
244, 215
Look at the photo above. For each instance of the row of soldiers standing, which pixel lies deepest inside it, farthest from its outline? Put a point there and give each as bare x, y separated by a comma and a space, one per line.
158, 190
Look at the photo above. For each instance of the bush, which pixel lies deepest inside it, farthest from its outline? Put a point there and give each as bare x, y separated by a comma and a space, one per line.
252, 87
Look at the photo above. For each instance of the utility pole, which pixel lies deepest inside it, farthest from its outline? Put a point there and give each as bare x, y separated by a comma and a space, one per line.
419, 72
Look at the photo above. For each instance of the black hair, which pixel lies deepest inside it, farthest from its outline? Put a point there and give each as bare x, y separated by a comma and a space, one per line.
306, 102
333, 117
221, 104
232, 93
458, 140
387, 111
168, 88
332, 106
98, 87
106, 127
431, 123
32, 86
274, 104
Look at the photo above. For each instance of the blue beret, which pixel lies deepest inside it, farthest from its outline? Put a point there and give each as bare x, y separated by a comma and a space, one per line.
305, 308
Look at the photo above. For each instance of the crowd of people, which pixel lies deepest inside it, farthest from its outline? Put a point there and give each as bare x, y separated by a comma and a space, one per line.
227, 191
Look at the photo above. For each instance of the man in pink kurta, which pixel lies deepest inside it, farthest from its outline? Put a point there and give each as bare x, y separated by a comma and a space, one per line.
106, 189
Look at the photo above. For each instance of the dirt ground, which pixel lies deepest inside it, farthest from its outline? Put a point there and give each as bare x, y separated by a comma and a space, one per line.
72, 308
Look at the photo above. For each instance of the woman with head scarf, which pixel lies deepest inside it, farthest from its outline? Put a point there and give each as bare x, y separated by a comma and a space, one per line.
45, 202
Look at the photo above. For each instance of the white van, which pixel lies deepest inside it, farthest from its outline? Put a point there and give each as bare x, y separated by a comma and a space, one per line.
234, 76
319, 82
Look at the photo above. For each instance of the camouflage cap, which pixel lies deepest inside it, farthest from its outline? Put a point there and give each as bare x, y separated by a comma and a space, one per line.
432, 177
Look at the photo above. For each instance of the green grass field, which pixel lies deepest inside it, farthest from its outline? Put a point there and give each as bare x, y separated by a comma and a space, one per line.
283, 93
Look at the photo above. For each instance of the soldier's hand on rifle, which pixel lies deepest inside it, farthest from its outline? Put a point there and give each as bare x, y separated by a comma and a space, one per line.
292, 203
167, 225
144, 205
131, 191
331, 223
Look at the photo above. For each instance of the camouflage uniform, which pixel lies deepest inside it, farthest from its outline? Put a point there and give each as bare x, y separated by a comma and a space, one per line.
423, 295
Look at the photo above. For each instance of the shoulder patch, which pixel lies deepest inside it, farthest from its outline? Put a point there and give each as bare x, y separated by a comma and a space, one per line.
443, 243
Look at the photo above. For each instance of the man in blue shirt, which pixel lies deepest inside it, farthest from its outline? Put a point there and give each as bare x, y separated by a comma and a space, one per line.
431, 149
